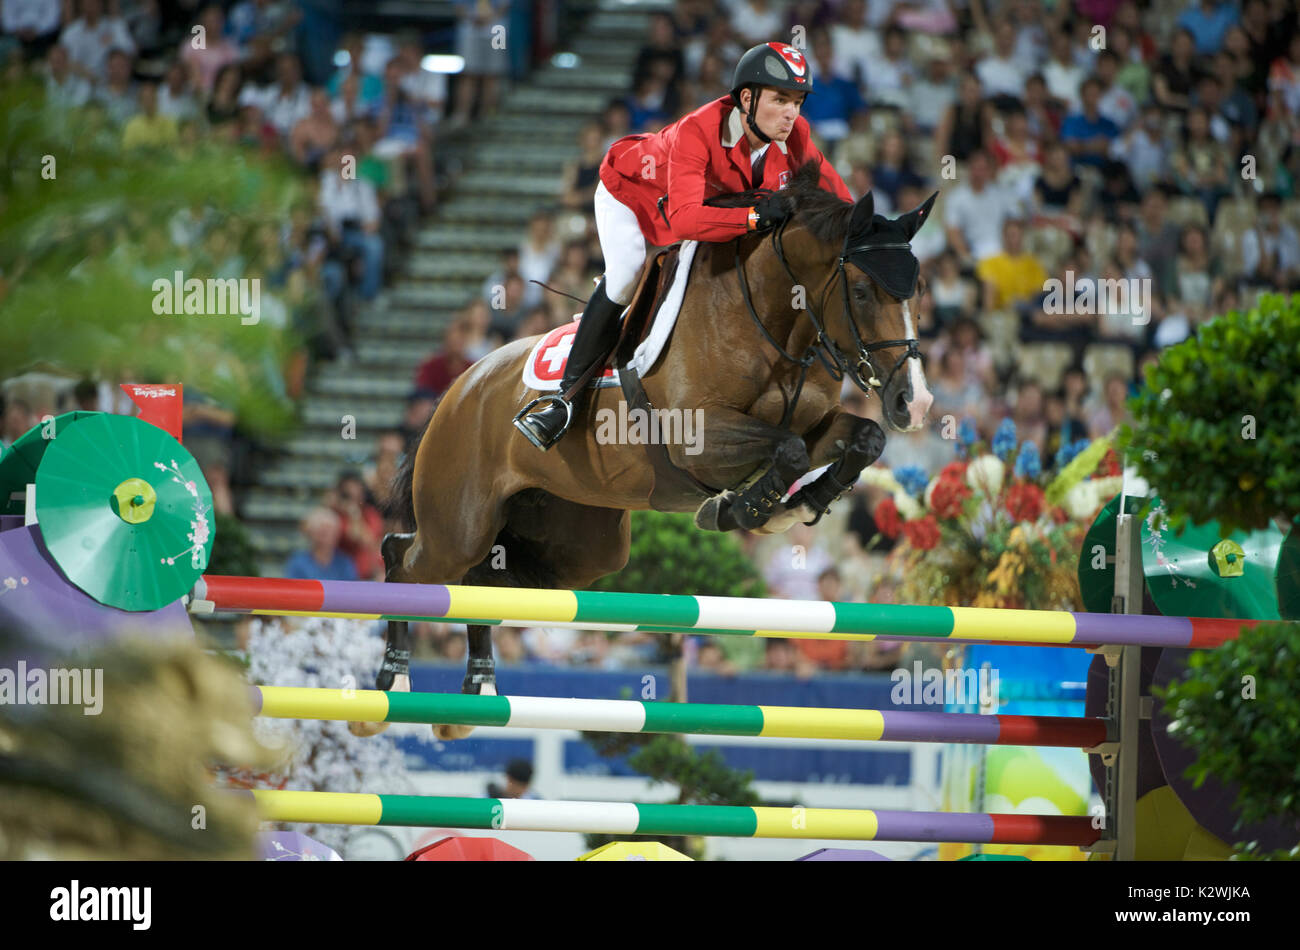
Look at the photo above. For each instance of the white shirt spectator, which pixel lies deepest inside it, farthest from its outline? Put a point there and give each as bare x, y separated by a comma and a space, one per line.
927, 101
1143, 153
929, 243
284, 109
854, 50
1118, 105
40, 16
428, 88
1063, 82
1284, 244
979, 216
72, 93
89, 46
888, 81
757, 26
349, 200
1001, 77
177, 106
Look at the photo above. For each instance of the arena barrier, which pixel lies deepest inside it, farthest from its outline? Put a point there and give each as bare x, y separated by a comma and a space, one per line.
729, 616
607, 715
628, 819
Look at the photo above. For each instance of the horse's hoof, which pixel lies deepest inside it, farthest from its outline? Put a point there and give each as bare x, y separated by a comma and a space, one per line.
786, 520
401, 684
446, 733
709, 515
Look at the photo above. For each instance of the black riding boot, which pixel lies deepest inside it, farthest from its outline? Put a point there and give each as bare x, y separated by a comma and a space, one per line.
596, 336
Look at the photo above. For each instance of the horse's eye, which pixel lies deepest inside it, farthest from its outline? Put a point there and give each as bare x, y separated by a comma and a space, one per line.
859, 292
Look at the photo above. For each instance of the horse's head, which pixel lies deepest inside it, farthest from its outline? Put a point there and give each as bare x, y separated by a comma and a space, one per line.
879, 275
863, 305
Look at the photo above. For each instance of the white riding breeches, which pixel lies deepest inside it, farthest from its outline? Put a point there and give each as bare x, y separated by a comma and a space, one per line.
622, 244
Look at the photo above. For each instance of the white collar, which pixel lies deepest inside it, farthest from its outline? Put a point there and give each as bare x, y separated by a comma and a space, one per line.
734, 131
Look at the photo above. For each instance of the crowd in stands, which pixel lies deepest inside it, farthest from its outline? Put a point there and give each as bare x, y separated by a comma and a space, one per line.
1147, 154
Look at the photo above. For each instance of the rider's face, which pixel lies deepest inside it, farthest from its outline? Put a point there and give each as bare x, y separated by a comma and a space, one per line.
776, 112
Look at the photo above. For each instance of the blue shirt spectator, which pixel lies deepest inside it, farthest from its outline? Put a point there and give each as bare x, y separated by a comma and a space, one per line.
321, 560
1208, 22
1087, 133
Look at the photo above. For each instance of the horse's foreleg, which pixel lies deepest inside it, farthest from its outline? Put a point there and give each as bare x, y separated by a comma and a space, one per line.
761, 460
852, 443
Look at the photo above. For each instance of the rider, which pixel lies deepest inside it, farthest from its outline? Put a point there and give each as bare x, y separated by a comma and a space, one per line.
652, 189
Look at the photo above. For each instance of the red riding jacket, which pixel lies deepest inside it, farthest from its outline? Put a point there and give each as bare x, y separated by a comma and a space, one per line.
701, 155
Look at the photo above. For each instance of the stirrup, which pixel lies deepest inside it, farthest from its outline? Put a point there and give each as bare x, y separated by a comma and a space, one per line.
548, 398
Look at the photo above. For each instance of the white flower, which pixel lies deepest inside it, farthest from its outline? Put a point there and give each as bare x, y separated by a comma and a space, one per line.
984, 475
1082, 500
877, 476
908, 507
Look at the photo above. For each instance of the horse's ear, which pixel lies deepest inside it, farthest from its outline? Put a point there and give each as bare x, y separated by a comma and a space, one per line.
913, 220
863, 212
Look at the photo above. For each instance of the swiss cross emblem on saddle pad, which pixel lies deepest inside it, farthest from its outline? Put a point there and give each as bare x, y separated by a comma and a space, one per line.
544, 368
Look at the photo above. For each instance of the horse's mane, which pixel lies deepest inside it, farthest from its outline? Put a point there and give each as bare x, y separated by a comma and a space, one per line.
823, 212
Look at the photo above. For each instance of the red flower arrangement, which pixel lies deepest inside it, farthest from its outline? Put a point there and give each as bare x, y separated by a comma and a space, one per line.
1025, 501
922, 533
887, 518
1109, 466
949, 493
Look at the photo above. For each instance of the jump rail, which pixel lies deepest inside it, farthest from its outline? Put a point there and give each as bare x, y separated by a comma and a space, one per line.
629, 819
729, 616
601, 715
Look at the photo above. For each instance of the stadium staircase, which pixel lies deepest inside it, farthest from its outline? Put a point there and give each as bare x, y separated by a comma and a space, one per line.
504, 168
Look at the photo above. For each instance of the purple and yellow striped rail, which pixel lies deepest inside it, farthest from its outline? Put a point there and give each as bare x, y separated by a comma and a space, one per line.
616, 715
731, 616
617, 818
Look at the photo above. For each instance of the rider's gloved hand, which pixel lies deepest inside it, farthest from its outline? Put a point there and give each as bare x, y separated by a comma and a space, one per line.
770, 212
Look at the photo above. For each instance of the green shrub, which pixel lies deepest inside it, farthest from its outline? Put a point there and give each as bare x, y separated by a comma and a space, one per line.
671, 556
1215, 429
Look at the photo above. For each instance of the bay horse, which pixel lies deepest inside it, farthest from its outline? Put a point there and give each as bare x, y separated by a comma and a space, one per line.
485, 507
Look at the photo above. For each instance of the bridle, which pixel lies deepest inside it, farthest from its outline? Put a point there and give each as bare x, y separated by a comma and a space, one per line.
837, 362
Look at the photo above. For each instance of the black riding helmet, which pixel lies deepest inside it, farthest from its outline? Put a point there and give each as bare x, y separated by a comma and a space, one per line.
770, 64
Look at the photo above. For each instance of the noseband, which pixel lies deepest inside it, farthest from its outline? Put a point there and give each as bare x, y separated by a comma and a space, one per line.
838, 363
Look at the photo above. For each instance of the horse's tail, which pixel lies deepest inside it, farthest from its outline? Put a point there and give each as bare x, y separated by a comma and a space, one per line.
399, 506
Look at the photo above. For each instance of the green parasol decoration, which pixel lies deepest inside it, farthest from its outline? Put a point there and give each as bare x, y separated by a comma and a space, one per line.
1287, 576
20, 461
1097, 572
125, 512
1199, 572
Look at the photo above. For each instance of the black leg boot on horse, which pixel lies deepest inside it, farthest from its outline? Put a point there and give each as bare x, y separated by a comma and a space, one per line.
597, 334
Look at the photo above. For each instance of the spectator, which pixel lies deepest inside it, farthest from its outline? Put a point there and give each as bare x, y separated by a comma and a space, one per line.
321, 559
930, 96
1196, 274
661, 58
1030, 415
271, 20
1017, 155
223, 107
209, 437
837, 98
149, 129
361, 526
964, 128
1236, 105
1116, 103
519, 778
64, 89
1270, 251
889, 76
314, 134
956, 394
1058, 192
1284, 81
118, 93
856, 46
480, 43
893, 170
207, 58
1087, 134
1062, 75
1002, 72
582, 175
382, 469
350, 210
176, 97
928, 243
18, 418
1041, 110
539, 251
793, 567
964, 336
1142, 148
1176, 75
953, 294
1113, 410
756, 21
974, 212
827, 654
616, 121
436, 374
34, 22
1158, 239
369, 86
1202, 166
1011, 276
288, 101
1207, 22
90, 38
1132, 74
424, 87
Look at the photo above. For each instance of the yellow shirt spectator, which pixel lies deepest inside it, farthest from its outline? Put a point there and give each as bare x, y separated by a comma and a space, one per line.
1014, 277
149, 131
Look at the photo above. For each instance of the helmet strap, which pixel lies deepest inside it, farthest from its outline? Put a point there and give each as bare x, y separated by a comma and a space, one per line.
754, 92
